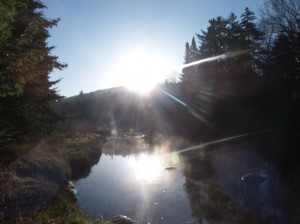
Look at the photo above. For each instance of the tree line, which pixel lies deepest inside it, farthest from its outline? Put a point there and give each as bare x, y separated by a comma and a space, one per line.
271, 45
254, 83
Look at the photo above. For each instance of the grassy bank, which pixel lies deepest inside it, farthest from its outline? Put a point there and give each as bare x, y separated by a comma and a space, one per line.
34, 178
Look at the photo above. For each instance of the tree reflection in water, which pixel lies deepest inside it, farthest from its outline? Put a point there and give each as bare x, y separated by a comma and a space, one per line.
211, 177
212, 184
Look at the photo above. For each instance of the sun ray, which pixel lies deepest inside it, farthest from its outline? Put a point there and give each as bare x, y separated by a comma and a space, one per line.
141, 70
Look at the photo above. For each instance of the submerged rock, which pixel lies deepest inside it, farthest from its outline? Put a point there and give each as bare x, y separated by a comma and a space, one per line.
121, 219
170, 168
252, 178
251, 190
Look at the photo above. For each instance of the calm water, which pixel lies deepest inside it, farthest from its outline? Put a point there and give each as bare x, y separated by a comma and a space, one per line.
151, 185
137, 185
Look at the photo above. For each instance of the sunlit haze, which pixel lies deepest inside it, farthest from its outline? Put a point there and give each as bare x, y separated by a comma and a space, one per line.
101, 41
139, 70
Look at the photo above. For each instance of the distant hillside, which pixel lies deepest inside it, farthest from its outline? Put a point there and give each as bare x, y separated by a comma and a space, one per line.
100, 93
120, 110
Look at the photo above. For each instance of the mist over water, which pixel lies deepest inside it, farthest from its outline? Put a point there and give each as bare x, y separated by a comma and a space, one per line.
141, 185
151, 183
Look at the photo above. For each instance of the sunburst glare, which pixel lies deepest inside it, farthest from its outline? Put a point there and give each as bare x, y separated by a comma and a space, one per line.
141, 70
147, 167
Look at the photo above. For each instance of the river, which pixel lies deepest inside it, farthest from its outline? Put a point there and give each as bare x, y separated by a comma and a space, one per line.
147, 185
154, 184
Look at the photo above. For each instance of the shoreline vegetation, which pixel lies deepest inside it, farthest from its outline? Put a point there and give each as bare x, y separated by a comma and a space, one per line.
35, 187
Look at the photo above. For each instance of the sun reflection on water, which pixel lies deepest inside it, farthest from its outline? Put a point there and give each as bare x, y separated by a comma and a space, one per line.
147, 167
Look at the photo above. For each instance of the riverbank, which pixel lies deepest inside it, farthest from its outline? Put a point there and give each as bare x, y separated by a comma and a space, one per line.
34, 183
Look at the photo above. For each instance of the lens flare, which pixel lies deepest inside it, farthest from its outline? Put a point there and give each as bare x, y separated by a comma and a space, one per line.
147, 167
140, 70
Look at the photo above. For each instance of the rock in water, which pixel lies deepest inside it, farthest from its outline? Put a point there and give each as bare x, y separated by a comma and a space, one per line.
71, 188
253, 178
121, 219
170, 168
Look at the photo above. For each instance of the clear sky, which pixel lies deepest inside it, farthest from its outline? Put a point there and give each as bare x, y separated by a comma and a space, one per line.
99, 38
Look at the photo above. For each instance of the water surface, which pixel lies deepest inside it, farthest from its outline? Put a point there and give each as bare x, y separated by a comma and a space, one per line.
137, 185
151, 184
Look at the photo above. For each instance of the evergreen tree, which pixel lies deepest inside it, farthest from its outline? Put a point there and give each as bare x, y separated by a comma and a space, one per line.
250, 33
187, 55
225, 35
251, 41
194, 50
234, 33
213, 41
225, 76
191, 55
190, 76
27, 99
24, 53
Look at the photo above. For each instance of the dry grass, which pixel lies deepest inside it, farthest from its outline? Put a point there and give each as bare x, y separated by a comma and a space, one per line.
33, 187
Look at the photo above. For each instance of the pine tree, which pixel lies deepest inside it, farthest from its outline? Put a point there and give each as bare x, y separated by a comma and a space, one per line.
213, 41
191, 55
223, 36
234, 33
251, 41
250, 32
27, 97
189, 77
194, 50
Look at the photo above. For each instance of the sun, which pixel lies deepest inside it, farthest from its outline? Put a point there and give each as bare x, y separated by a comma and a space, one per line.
141, 70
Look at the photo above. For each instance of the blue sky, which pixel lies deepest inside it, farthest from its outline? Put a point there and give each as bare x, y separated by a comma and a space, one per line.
95, 37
